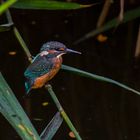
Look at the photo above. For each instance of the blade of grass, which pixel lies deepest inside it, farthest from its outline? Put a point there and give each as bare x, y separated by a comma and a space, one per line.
9, 25
6, 5
52, 127
128, 16
5, 27
14, 113
97, 77
47, 5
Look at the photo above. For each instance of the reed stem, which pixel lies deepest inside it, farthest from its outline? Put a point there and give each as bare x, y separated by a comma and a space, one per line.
63, 113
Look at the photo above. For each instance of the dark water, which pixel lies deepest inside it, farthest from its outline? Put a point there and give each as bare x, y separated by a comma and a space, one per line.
99, 111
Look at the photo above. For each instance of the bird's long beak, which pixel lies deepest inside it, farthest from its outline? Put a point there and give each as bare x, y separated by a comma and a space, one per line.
72, 51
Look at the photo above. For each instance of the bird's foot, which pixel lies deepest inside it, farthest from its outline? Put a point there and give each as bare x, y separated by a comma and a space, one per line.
47, 86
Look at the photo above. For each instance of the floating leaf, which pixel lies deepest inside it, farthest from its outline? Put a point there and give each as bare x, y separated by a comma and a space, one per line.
102, 38
47, 5
12, 53
45, 103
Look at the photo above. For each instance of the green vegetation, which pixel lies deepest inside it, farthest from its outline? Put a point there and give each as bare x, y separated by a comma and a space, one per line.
10, 107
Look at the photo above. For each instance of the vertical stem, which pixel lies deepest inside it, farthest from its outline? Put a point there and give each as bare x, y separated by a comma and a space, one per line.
64, 115
137, 50
18, 36
9, 18
121, 14
26, 50
104, 13
22, 43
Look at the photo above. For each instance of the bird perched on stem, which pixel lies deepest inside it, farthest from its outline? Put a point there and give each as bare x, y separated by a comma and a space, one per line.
45, 65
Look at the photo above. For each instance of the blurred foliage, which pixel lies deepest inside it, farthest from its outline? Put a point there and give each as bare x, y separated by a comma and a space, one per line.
113, 23
47, 5
5, 5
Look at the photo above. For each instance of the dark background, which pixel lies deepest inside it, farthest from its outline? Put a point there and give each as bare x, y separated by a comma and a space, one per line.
99, 111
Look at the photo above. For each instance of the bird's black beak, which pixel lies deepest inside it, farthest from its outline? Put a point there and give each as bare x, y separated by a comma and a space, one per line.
72, 51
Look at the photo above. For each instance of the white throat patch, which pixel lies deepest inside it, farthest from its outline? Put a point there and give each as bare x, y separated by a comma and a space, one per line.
44, 53
60, 55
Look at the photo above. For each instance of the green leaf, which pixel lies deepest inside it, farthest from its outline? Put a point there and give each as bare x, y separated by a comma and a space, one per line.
128, 16
98, 77
52, 127
14, 113
47, 5
5, 27
6, 5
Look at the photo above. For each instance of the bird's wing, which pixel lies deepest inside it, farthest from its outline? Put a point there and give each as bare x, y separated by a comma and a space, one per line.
40, 66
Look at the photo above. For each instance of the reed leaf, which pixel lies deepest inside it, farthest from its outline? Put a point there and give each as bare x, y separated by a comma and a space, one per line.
128, 16
52, 127
98, 77
47, 5
14, 113
5, 27
4, 6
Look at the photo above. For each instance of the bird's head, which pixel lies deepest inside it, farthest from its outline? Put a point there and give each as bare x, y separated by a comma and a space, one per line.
55, 47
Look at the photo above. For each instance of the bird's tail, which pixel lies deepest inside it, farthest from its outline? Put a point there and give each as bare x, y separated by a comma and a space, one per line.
27, 87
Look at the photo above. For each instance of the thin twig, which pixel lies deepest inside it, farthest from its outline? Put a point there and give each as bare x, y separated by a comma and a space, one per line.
63, 113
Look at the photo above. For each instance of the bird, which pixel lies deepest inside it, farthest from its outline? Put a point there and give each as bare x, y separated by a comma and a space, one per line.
45, 65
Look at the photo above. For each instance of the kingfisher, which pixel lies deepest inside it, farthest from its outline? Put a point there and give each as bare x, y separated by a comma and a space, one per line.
45, 65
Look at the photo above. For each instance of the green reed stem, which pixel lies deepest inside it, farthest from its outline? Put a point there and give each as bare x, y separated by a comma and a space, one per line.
49, 87
22, 43
63, 113
18, 36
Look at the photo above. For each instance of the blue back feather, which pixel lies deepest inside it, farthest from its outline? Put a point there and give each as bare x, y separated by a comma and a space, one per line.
40, 66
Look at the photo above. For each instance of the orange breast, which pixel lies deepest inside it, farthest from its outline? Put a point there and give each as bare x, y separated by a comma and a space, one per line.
42, 80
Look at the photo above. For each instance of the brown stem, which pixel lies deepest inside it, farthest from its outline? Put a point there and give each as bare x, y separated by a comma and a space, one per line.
104, 13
